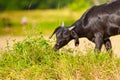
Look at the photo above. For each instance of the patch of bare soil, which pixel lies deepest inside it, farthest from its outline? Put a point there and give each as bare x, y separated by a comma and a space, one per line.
9, 41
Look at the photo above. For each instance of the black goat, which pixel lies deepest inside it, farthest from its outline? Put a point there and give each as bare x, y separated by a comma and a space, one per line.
97, 24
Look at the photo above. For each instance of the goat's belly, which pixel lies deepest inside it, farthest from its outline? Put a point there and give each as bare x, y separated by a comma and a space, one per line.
113, 31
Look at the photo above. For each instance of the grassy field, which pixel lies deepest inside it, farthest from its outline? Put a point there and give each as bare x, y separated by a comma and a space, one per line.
34, 58
37, 20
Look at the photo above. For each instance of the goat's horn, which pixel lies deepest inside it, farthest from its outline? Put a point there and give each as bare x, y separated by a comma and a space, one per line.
70, 28
54, 32
63, 24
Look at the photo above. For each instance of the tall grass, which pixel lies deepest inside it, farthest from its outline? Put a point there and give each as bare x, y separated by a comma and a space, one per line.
34, 59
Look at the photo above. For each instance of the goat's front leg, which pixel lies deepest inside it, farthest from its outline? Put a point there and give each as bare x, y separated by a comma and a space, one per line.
107, 44
98, 41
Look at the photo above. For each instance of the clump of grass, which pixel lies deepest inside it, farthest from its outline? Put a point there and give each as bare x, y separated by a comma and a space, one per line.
34, 58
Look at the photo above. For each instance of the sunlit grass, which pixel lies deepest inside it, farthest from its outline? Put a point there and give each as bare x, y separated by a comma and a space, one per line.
43, 21
34, 58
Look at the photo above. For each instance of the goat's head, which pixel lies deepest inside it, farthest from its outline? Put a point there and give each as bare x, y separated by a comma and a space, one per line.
63, 36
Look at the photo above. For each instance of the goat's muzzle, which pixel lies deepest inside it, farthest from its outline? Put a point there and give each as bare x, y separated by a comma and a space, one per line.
56, 47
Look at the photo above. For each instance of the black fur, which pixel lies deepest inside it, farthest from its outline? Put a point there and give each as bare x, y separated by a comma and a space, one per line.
97, 24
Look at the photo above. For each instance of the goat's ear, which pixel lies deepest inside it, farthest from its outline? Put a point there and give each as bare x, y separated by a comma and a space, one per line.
54, 32
75, 36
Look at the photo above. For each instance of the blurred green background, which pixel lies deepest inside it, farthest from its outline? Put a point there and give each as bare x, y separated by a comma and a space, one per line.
21, 17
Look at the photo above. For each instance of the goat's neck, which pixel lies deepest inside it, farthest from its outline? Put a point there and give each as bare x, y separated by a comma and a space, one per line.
80, 31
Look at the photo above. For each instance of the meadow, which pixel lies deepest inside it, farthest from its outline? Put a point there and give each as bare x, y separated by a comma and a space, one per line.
34, 58
43, 21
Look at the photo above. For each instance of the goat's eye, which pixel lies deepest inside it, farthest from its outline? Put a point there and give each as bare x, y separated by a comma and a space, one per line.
65, 34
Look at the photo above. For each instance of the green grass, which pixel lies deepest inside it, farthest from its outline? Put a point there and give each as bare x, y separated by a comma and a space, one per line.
34, 59
44, 21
